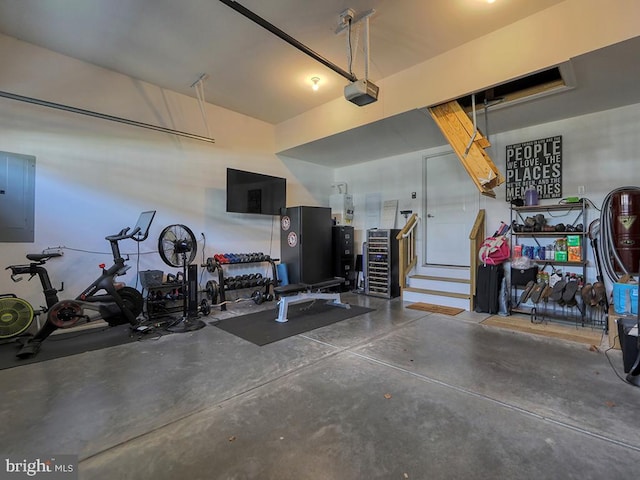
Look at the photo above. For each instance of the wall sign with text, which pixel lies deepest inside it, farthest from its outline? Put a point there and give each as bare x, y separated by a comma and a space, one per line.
538, 164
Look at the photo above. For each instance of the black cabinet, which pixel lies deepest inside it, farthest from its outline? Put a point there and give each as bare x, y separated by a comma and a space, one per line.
343, 255
305, 244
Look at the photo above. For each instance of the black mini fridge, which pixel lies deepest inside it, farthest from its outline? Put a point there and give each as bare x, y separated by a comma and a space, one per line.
305, 244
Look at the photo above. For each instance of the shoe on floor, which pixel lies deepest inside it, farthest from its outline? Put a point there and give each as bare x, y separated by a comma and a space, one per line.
536, 292
556, 292
587, 294
527, 291
599, 294
569, 293
546, 292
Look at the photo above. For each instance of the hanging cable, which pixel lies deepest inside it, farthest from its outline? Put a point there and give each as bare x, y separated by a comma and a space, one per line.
366, 47
199, 87
486, 119
349, 49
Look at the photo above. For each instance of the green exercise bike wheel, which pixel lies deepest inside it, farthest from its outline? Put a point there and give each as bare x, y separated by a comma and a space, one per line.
16, 315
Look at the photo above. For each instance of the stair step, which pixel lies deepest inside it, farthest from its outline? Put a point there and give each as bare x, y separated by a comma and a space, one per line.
441, 285
436, 297
439, 293
443, 271
441, 279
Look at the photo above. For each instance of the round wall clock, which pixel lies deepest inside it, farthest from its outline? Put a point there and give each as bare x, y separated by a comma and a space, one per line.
285, 223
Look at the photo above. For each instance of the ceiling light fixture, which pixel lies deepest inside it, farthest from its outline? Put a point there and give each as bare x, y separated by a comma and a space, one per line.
314, 82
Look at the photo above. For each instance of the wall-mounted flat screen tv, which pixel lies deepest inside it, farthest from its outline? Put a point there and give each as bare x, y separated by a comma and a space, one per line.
249, 192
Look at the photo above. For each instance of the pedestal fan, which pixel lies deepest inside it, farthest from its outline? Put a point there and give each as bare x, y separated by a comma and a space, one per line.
177, 247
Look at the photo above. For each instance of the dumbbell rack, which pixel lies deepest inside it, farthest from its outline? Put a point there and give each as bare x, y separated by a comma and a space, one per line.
216, 290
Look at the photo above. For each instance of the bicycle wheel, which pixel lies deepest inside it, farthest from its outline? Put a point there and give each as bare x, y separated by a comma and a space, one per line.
177, 245
16, 316
133, 301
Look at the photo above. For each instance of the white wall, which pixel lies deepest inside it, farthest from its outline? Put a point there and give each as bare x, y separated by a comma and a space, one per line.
600, 152
93, 177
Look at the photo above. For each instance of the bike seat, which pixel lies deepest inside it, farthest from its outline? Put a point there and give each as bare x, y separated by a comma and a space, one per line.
38, 257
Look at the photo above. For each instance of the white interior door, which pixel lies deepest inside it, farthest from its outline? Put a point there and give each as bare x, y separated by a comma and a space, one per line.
451, 206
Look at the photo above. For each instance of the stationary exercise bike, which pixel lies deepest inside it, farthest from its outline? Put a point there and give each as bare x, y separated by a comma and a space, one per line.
16, 314
119, 305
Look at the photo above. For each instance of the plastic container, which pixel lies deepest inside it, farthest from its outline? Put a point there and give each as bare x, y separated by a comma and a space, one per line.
574, 254
531, 197
573, 240
550, 253
561, 256
623, 295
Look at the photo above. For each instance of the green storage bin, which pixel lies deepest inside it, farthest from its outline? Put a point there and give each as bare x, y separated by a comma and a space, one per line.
561, 256
573, 240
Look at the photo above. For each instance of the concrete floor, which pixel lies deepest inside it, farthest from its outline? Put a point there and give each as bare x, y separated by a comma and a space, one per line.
392, 394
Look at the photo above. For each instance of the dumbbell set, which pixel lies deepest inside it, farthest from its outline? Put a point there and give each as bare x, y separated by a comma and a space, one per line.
250, 280
241, 281
241, 257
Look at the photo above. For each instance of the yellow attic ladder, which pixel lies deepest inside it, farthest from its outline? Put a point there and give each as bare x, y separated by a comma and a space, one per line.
469, 145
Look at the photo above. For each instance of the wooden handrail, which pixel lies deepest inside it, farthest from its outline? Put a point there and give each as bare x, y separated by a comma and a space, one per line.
476, 237
407, 256
410, 225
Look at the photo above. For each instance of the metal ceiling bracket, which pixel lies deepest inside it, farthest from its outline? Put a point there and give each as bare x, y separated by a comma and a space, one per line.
356, 18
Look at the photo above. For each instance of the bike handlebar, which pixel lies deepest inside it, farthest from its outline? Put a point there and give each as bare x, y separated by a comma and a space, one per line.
122, 234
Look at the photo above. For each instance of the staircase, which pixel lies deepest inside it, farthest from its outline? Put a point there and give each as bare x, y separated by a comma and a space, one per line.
440, 285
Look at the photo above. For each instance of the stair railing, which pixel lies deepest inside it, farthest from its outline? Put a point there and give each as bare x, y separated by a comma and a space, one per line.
407, 254
476, 237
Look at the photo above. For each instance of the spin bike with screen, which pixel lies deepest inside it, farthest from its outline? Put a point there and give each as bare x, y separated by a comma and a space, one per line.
105, 299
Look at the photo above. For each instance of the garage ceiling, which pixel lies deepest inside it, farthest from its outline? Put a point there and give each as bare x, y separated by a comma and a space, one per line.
251, 71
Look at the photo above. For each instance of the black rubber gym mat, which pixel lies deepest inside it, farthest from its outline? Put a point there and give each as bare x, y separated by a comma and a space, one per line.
71, 343
261, 328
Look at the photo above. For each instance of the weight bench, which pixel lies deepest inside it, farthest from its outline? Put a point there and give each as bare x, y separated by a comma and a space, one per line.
303, 292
